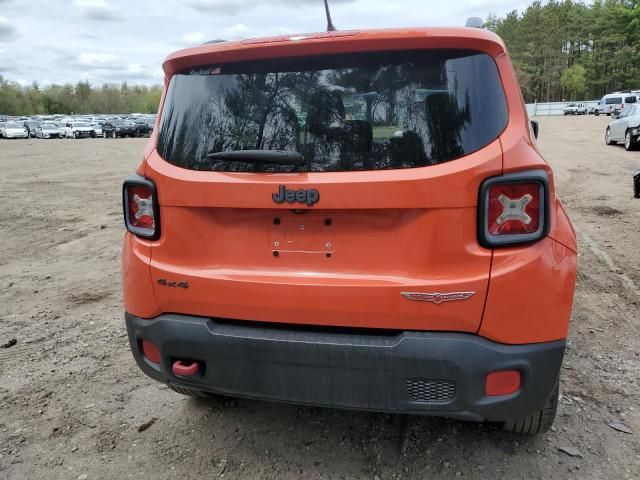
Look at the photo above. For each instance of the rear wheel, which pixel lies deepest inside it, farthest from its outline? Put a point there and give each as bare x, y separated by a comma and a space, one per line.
596, 113
630, 142
607, 137
75, 135
540, 421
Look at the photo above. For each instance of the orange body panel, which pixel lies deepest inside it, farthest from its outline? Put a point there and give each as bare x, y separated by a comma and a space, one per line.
391, 231
136, 280
530, 293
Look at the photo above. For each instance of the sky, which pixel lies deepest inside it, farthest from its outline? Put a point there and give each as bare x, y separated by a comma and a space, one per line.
112, 41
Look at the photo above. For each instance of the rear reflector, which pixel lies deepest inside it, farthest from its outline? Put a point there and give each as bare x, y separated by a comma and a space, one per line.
502, 383
140, 202
150, 351
513, 209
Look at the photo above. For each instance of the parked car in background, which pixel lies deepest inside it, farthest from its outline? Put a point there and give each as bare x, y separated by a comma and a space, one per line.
625, 128
97, 127
13, 130
142, 128
119, 129
151, 121
615, 102
575, 109
48, 130
31, 126
78, 130
61, 127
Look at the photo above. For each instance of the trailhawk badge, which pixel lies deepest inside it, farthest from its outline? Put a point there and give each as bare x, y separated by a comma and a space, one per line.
437, 298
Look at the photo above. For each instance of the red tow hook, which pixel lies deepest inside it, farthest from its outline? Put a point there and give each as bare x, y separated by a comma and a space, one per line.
185, 368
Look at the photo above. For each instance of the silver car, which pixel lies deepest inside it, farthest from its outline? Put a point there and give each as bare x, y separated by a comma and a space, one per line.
625, 128
97, 127
48, 130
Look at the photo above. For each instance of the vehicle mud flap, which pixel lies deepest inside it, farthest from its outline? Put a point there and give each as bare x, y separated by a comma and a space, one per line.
636, 185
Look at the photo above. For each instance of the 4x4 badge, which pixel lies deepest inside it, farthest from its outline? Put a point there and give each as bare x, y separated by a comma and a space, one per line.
437, 298
284, 194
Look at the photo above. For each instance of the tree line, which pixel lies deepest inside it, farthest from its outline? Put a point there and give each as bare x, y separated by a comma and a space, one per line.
569, 50
81, 98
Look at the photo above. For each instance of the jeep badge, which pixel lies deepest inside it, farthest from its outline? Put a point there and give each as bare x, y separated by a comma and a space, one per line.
309, 197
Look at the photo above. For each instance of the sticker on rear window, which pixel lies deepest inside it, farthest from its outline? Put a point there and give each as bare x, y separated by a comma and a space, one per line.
206, 71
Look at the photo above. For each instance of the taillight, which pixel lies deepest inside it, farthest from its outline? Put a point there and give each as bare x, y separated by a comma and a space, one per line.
513, 209
141, 213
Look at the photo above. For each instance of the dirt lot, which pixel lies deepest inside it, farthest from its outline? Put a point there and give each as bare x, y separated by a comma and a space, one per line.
72, 399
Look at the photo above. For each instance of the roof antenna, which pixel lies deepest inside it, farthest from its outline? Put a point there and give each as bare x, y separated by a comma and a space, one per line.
330, 27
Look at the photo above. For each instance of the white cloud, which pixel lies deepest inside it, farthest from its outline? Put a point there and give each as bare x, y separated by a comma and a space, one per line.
69, 42
233, 6
135, 68
97, 10
193, 38
236, 31
8, 31
99, 60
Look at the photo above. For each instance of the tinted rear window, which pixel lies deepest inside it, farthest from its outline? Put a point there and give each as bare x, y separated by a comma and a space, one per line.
345, 112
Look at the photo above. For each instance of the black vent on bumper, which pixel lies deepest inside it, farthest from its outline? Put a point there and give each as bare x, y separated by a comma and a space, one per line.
431, 390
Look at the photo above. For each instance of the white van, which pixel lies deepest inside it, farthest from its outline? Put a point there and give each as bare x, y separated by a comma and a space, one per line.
614, 102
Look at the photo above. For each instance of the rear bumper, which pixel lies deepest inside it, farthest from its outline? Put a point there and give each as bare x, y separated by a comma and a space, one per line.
433, 373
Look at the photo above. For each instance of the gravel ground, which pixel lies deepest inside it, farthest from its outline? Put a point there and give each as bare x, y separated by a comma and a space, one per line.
72, 400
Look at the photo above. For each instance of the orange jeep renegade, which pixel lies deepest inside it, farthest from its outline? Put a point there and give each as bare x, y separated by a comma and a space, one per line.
355, 219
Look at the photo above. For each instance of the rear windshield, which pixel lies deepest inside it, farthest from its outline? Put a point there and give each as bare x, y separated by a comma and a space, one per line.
344, 112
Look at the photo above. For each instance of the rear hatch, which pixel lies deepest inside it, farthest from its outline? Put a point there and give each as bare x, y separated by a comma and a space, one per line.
375, 226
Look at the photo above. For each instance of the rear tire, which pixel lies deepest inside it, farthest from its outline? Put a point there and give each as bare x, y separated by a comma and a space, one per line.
189, 392
607, 137
539, 422
630, 143
596, 113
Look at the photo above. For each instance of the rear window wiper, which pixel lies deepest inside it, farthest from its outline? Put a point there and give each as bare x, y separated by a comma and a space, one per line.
271, 157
